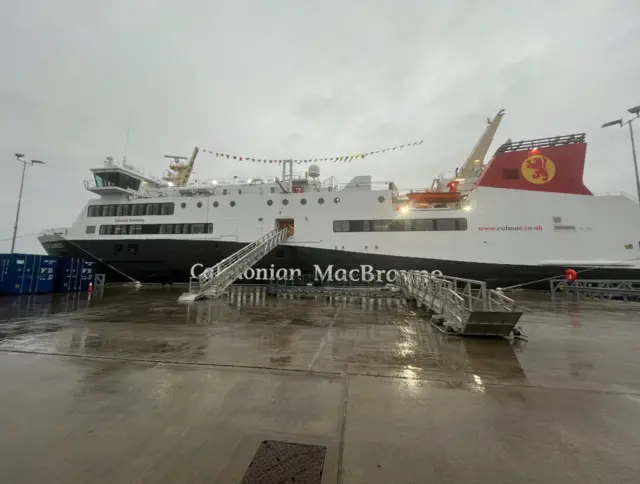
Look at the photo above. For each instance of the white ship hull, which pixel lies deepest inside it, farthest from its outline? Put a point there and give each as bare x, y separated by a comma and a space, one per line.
510, 237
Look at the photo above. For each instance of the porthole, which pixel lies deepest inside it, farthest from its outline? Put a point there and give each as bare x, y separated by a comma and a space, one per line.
239, 192
232, 203
199, 205
224, 191
183, 205
285, 202
215, 204
269, 202
381, 199
303, 201
336, 200
320, 201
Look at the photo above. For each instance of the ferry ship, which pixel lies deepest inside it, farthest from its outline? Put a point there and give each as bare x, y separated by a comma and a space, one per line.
523, 216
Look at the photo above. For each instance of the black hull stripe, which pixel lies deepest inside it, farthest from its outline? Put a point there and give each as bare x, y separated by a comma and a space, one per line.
163, 261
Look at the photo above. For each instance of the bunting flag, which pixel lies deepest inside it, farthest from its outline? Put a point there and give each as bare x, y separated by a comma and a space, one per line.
335, 159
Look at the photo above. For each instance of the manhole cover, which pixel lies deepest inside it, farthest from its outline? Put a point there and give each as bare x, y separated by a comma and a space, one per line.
285, 462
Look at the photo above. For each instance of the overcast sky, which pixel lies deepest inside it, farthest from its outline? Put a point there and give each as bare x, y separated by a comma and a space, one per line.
301, 79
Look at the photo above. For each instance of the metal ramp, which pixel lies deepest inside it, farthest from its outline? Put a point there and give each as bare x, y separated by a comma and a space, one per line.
623, 290
214, 280
462, 306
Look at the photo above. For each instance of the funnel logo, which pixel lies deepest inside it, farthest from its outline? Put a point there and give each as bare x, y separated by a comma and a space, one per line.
538, 169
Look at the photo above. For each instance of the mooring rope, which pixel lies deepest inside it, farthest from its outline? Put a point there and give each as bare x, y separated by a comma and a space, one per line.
562, 277
102, 260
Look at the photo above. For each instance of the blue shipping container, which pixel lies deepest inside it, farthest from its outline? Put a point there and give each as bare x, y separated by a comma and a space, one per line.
27, 273
74, 274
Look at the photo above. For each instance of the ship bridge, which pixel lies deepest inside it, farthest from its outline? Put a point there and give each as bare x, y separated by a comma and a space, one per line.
120, 179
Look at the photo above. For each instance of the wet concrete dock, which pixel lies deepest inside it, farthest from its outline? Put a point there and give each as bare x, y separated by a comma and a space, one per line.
134, 388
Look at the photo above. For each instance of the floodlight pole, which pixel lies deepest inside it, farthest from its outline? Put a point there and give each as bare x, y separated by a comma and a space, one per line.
19, 157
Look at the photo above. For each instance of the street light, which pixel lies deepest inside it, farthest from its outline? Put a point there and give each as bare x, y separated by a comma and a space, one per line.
19, 157
636, 111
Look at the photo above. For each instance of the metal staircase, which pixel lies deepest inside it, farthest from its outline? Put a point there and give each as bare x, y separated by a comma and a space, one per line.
462, 306
214, 280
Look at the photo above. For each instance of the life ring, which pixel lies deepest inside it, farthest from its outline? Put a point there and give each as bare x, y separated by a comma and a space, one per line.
570, 275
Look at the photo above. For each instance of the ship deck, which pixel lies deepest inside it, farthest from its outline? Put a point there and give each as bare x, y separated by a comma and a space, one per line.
133, 387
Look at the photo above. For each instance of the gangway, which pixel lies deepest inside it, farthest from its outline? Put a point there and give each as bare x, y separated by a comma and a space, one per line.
214, 280
624, 290
462, 306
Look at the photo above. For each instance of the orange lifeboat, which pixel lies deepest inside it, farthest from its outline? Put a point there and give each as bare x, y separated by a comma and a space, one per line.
425, 197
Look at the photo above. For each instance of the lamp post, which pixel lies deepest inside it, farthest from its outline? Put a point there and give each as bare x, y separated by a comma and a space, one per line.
636, 112
19, 157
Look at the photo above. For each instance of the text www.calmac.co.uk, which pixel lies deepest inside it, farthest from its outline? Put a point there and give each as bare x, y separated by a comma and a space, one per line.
505, 228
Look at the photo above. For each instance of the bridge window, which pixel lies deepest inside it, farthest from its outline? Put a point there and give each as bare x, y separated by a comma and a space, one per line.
197, 229
117, 179
91, 229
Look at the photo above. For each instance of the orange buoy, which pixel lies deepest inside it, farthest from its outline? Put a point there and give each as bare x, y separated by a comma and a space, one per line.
570, 275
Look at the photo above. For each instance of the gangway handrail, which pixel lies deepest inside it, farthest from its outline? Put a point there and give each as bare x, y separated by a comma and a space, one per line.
462, 306
224, 264
214, 280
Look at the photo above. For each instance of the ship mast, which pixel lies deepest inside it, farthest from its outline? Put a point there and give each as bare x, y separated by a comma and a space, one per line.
476, 158
179, 173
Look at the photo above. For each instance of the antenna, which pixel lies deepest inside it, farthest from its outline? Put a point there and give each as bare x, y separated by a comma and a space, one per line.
127, 138
126, 144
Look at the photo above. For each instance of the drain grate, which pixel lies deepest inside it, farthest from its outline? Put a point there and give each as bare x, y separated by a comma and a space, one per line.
278, 462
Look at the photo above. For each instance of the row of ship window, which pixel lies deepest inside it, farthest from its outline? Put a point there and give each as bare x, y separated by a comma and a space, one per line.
150, 229
125, 210
400, 225
392, 225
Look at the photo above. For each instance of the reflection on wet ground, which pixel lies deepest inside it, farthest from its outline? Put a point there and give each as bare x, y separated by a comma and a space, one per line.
579, 345
332, 357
